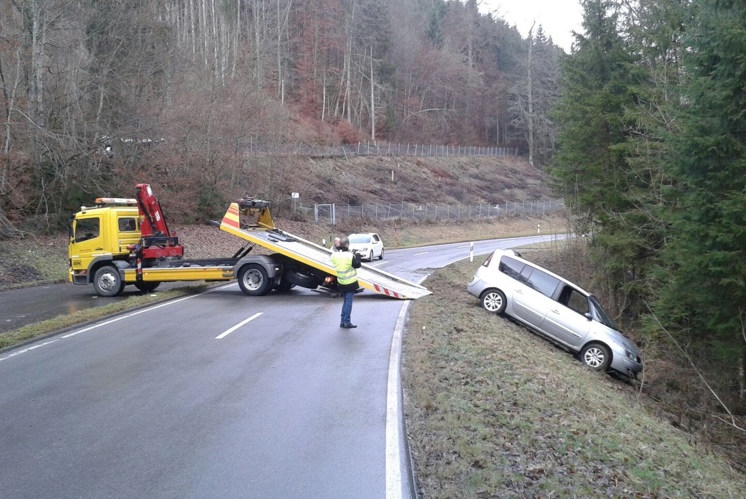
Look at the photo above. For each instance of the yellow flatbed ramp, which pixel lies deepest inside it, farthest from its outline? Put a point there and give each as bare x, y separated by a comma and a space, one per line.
263, 233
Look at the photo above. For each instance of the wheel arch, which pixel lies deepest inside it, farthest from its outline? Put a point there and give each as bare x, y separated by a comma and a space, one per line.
271, 263
102, 261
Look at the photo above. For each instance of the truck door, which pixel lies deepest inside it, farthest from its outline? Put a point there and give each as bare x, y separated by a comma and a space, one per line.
86, 240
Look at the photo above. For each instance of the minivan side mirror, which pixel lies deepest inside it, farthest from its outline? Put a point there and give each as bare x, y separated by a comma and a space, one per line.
588, 316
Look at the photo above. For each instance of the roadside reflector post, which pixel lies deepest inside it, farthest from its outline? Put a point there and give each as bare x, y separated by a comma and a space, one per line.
471, 252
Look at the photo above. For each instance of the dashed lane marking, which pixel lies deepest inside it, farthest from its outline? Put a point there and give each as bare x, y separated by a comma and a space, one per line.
229, 331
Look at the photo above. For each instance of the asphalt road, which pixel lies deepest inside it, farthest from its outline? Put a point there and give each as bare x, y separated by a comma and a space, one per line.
214, 395
24, 306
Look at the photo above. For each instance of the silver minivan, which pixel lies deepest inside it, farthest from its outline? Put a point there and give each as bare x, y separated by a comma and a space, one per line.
556, 308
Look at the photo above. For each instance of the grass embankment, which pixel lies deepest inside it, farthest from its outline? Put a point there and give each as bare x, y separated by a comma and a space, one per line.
493, 410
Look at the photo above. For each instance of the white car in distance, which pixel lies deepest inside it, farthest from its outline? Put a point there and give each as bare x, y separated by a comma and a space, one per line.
368, 245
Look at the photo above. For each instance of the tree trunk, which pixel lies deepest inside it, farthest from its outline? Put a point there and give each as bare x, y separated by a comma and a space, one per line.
372, 100
37, 63
530, 89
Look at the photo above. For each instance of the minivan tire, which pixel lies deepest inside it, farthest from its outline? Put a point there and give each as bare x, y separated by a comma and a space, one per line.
596, 356
493, 300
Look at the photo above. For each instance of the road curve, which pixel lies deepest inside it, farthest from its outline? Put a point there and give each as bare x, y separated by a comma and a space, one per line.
217, 395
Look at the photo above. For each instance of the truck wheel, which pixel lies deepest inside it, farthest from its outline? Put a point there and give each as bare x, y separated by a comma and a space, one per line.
302, 278
147, 287
107, 281
253, 280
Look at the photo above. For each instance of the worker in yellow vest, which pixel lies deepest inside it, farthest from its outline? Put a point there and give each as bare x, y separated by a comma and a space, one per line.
345, 262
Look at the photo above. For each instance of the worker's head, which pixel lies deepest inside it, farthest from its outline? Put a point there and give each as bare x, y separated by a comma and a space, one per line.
344, 243
336, 242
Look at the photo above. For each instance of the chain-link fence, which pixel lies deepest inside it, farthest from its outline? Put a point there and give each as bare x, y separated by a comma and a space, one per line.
376, 149
332, 213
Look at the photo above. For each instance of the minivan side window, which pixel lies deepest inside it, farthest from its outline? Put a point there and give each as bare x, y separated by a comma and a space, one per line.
511, 267
574, 299
542, 282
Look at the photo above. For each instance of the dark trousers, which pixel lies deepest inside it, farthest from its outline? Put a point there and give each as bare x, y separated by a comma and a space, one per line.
347, 307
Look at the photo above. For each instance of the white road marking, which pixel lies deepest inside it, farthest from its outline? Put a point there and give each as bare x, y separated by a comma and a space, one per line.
19, 352
421, 253
394, 419
119, 318
126, 316
229, 331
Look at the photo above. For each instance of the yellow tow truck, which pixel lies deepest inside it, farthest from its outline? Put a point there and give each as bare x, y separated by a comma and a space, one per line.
123, 241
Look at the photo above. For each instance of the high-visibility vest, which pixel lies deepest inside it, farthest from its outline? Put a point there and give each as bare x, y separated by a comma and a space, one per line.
342, 261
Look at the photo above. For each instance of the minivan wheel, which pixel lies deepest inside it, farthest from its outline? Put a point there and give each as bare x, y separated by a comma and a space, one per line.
493, 300
596, 356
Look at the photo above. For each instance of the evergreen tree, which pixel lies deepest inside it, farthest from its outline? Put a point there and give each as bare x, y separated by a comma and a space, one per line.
592, 168
653, 32
703, 284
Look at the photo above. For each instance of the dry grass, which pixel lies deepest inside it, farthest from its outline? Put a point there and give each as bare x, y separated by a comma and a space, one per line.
493, 410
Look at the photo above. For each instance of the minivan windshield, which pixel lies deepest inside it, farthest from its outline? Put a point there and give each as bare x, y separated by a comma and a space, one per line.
600, 315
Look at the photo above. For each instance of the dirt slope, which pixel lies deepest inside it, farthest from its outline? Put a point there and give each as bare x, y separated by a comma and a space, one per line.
358, 180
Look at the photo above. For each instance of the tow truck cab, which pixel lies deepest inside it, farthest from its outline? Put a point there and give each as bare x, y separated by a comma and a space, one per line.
101, 234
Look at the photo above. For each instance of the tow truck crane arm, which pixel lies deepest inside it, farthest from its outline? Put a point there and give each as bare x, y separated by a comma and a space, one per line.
157, 241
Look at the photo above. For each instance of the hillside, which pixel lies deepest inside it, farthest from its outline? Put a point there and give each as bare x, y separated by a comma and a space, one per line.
33, 258
446, 180
356, 180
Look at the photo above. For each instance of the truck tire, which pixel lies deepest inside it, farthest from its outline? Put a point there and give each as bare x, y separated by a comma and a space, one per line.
302, 278
253, 280
107, 281
147, 286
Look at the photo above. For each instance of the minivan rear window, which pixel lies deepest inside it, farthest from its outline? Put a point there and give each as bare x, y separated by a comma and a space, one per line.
511, 267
